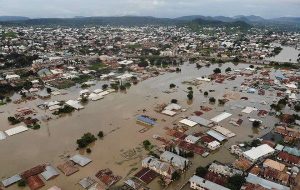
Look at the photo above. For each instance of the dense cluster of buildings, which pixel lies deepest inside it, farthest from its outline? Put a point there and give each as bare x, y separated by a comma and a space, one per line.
43, 63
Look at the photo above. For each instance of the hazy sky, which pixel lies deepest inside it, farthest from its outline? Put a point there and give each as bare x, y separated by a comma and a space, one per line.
157, 8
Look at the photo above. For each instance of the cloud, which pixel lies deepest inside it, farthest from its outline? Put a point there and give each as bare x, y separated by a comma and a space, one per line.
158, 8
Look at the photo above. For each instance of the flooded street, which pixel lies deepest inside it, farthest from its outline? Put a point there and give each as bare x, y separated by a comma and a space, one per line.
115, 115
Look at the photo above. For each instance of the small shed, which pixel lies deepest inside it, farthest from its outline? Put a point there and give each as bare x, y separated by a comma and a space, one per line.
87, 182
216, 135
49, 173
2, 136
146, 120
188, 122
68, 168
16, 130
213, 145
80, 160
11, 180
35, 182
201, 121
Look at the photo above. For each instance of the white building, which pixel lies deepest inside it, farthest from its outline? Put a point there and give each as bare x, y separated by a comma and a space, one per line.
12, 77
259, 152
174, 160
199, 183
213, 145
163, 168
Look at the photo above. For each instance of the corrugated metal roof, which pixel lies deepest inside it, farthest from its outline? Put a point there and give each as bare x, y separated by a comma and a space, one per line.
188, 122
206, 183
86, 182
80, 160
11, 180
200, 120
216, 135
265, 183
16, 130
49, 173
258, 152
174, 159
146, 120
2, 135
221, 117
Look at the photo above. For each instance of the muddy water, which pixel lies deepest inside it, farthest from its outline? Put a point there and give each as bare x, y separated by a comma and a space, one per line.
115, 115
288, 54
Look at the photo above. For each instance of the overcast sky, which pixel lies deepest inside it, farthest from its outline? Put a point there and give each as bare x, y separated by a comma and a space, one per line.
157, 8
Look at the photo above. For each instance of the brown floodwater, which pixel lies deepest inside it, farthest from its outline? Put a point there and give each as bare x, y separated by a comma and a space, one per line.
115, 116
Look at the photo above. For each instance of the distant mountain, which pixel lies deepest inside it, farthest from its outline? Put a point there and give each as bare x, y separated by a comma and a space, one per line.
194, 17
218, 23
248, 19
251, 18
291, 20
12, 18
283, 23
87, 21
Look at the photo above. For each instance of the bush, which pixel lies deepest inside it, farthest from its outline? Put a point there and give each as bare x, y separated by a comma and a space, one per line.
235, 182
189, 154
147, 144
205, 93
212, 100
85, 140
8, 99
178, 69
201, 171
256, 124
49, 90
217, 70
104, 86
22, 183
100, 134
190, 96
36, 126
174, 101
85, 86
84, 100
88, 150
221, 101
127, 85
255, 143
228, 69
172, 85
176, 176
114, 86
65, 109
13, 120
190, 88
122, 87
297, 107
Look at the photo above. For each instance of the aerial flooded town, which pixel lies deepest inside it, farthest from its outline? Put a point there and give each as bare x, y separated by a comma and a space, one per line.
176, 105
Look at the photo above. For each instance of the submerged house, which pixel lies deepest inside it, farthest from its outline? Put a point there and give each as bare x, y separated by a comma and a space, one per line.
200, 183
146, 120
175, 160
162, 168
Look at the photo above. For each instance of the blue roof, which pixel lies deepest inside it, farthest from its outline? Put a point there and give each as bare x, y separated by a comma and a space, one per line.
146, 120
294, 151
279, 75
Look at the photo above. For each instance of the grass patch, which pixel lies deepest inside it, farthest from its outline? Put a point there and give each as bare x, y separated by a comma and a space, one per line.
97, 66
